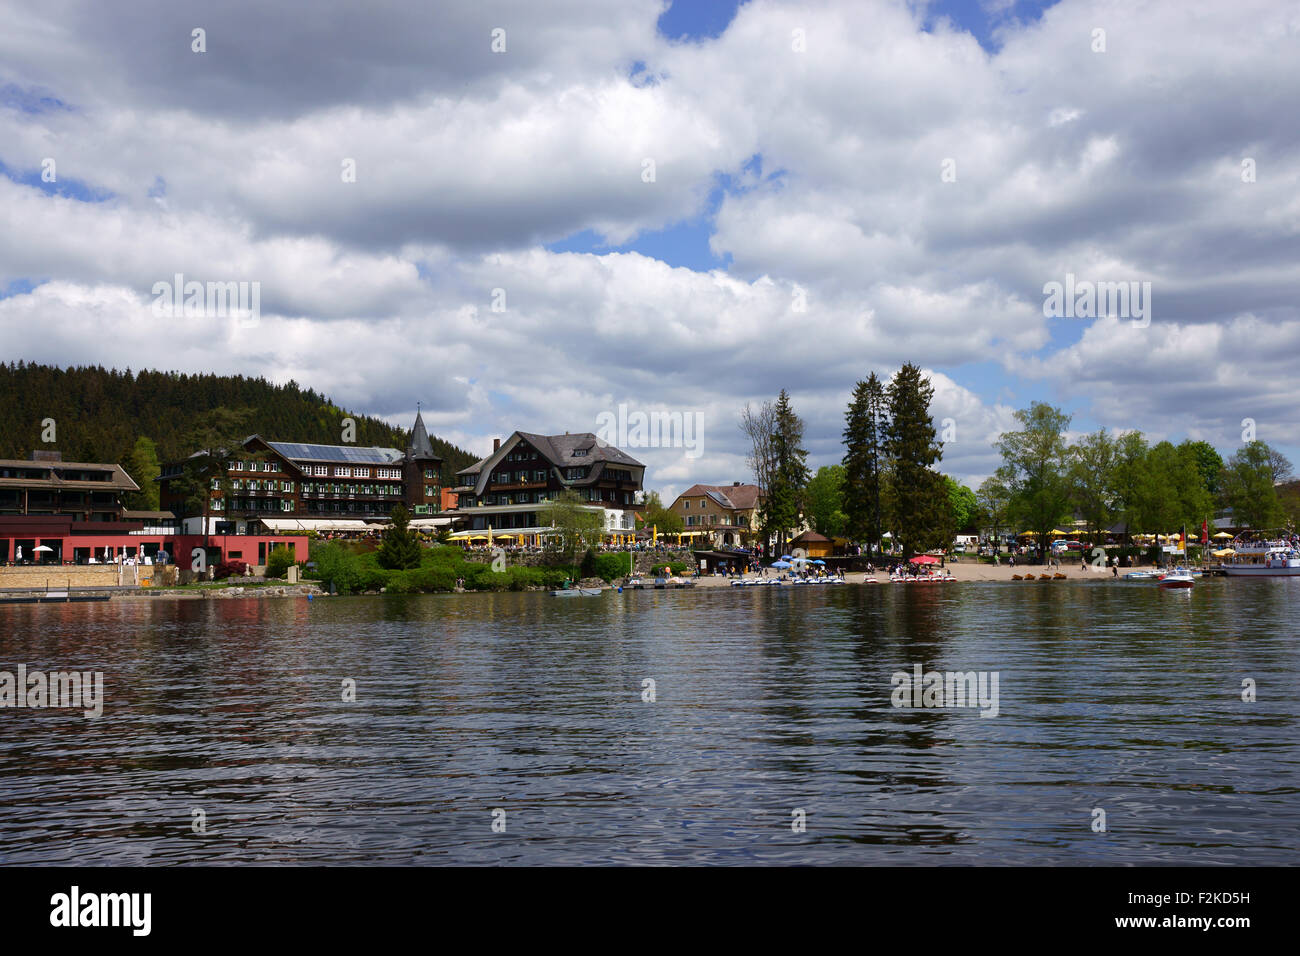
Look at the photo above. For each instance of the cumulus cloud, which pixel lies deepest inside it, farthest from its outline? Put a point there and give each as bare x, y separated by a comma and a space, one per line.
880, 187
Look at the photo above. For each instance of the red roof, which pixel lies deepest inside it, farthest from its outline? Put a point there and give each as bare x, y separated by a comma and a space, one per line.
736, 497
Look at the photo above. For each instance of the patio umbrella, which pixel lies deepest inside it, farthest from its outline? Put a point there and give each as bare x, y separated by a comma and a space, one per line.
1058, 531
1224, 553
780, 564
925, 559
41, 547
818, 561
1223, 534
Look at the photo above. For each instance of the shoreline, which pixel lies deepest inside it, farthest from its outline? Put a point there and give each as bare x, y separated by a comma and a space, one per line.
962, 573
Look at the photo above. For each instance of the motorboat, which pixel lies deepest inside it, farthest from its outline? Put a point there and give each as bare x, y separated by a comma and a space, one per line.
577, 592
1177, 578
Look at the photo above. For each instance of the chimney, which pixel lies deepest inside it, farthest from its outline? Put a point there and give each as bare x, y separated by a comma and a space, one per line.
496, 445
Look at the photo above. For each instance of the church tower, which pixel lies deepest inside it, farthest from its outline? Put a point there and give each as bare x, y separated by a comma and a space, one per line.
421, 472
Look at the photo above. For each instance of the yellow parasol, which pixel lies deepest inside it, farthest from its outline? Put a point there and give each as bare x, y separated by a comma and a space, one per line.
1223, 534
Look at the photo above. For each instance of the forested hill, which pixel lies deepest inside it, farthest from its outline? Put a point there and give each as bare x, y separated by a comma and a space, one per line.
99, 414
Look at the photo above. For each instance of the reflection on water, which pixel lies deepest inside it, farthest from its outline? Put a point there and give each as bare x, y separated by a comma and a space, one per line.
1116, 696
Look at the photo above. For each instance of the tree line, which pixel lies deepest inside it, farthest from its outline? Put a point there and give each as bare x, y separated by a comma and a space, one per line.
888, 482
1109, 479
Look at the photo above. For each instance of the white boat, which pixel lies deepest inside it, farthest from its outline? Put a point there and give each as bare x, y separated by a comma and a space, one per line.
1274, 563
1177, 578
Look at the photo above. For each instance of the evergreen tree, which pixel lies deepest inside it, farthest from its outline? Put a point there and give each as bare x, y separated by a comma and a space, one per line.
219, 438
781, 509
101, 413
399, 549
921, 514
142, 466
864, 465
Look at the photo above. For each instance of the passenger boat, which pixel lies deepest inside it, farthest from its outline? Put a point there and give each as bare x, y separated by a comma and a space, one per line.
1272, 562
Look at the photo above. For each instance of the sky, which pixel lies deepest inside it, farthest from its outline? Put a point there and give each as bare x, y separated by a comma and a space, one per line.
527, 216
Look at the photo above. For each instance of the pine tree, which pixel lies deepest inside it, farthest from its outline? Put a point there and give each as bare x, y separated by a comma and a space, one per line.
399, 549
921, 512
142, 466
780, 512
864, 427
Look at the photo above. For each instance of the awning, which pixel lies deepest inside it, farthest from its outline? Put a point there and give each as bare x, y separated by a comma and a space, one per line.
316, 524
421, 524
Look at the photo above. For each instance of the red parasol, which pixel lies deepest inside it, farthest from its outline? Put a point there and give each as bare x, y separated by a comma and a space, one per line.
925, 559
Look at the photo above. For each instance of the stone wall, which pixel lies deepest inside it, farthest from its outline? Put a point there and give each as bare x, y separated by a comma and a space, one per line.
60, 577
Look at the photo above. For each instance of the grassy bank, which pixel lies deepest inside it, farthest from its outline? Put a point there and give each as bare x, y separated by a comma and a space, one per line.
352, 571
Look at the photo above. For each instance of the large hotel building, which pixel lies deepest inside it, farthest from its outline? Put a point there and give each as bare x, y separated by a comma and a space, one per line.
508, 490
56, 512
295, 486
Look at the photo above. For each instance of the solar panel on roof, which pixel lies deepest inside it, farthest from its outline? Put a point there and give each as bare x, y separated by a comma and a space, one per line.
346, 454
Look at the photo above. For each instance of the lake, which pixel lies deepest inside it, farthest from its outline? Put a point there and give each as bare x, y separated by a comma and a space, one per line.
771, 736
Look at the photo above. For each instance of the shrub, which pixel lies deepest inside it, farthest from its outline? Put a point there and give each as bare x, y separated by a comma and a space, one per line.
672, 567
610, 566
234, 567
278, 562
337, 565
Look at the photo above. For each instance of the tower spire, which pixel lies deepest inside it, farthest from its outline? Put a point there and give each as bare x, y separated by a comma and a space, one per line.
420, 446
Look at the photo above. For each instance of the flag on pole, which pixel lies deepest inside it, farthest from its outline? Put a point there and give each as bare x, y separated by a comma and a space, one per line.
1205, 533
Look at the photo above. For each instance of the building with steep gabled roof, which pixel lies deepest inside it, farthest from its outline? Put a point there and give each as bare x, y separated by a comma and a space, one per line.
723, 515
273, 484
508, 490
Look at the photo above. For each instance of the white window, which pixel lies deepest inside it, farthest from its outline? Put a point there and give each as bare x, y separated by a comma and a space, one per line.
363, 473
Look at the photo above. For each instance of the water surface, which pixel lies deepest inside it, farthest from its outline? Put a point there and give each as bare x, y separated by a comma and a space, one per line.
768, 701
